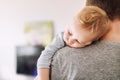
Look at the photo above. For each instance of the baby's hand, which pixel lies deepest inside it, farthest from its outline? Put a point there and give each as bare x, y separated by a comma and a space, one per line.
69, 41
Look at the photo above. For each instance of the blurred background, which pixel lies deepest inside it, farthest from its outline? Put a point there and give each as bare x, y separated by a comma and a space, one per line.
22, 26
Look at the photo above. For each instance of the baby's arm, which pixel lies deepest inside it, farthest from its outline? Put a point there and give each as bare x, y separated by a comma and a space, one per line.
44, 60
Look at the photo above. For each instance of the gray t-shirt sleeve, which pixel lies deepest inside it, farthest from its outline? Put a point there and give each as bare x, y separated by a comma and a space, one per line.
45, 58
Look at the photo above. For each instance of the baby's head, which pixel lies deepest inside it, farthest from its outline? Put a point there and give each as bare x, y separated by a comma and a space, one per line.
90, 24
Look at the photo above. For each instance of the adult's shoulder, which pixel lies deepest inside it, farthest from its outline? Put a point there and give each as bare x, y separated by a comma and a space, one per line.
67, 52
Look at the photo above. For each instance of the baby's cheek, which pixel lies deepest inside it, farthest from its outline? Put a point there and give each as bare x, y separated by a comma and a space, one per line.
77, 45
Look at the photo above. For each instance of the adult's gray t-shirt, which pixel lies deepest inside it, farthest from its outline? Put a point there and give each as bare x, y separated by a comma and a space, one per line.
99, 61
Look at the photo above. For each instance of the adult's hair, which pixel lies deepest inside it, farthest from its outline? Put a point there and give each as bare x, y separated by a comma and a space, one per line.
111, 7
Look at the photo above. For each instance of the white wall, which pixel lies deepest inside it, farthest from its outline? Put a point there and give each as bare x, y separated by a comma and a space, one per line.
15, 13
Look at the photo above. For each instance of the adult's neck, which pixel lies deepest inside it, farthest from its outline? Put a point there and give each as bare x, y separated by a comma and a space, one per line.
114, 32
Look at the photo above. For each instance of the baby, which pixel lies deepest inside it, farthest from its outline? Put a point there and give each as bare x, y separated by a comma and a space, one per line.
89, 25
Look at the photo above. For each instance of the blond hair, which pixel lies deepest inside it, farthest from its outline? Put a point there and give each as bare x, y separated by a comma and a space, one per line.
94, 19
